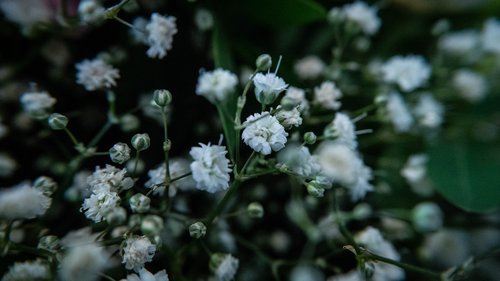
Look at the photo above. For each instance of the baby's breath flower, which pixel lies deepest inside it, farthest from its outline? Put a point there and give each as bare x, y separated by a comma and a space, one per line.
459, 42
268, 87
37, 104
145, 275
429, 111
210, 167
28, 270
111, 176
137, 251
362, 15
263, 133
216, 85
23, 202
96, 74
327, 95
83, 262
90, 11
100, 203
343, 130
161, 30
177, 167
298, 159
470, 85
490, 36
310, 67
297, 96
289, 118
398, 113
224, 266
409, 72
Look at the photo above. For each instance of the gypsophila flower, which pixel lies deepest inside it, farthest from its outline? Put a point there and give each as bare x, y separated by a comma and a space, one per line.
7, 165
310, 67
428, 111
409, 72
459, 43
327, 95
398, 113
28, 270
362, 15
415, 168
268, 87
216, 85
289, 118
490, 36
27, 13
96, 74
145, 275
23, 202
37, 104
137, 252
90, 11
210, 167
343, 130
80, 188
298, 96
446, 248
138, 33
161, 31
178, 167
119, 153
84, 262
225, 266
299, 160
263, 133
470, 85
101, 202
116, 179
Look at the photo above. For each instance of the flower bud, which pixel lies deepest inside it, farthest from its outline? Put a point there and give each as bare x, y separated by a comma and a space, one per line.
151, 225
315, 190
427, 217
255, 210
129, 123
288, 103
117, 216
45, 184
310, 138
141, 141
323, 182
57, 121
197, 230
134, 221
263, 62
162, 97
49, 243
139, 203
119, 153
362, 211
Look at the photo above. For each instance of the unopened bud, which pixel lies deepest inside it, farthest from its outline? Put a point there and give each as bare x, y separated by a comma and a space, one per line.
45, 184
49, 243
152, 225
263, 62
141, 141
117, 216
197, 230
310, 138
315, 190
57, 121
255, 210
162, 97
139, 203
119, 153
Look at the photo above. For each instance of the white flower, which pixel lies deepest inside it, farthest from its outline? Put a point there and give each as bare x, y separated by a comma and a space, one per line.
161, 31
28, 270
344, 166
216, 85
96, 74
310, 67
227, 268
398, 113
372, 239
263, 133
460, 42
23, 202
297, 96
100, 203
84, 263
210, 167
268, 87
446, 248
204, 19
306, 273
343, 130
409, 72
363, 15
111, 176
289, 118
353, 275
90, 11
415, 168
139, 33
429, 111
327, 95
490, 36
37, 104
145, 275
137, 252
7, 165
177, 167
470, 85
27, 12
79, 189
298, 159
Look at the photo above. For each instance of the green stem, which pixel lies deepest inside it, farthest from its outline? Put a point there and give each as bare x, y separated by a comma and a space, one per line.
71, 136
223, 202
180, 177
429, 273
166, 148
137, 154
124, 22
100, 134
223, 116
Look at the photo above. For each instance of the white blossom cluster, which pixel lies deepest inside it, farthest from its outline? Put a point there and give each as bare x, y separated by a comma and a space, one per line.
96, 74
160, 35
137, 252
210, 167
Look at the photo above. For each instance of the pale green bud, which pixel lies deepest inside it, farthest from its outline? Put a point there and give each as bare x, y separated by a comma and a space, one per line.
139, 203
263, 62
255, 210
129, 122
119, 153
315, 190
117, 216
197, 230
141, 141
57, 121
427, 217
310, 138
45, 184
152, 225
288, 103
49, 243
362, 211
162, 97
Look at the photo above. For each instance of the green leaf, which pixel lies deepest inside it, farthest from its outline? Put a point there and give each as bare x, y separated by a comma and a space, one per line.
221, 50
285, 12
467, 174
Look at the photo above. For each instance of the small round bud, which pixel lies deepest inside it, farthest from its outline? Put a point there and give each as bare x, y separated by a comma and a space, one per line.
162, 97
117, 216
362, 211
134, 221
129, 123
151, 225
288, 103
49, 243
167, 145
315, 190
380, 99
119, 153
139, 203
197, 230
45, 184
310, 138
427, 217
283, 168
57, 121
141, 141
255, 210
263, 62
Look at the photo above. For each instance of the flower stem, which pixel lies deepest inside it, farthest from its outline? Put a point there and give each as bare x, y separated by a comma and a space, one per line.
71, 136
429, 273
223, 202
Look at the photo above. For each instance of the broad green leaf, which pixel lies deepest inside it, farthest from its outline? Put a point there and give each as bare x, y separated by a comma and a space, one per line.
285, 12
221, 50
467, 174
